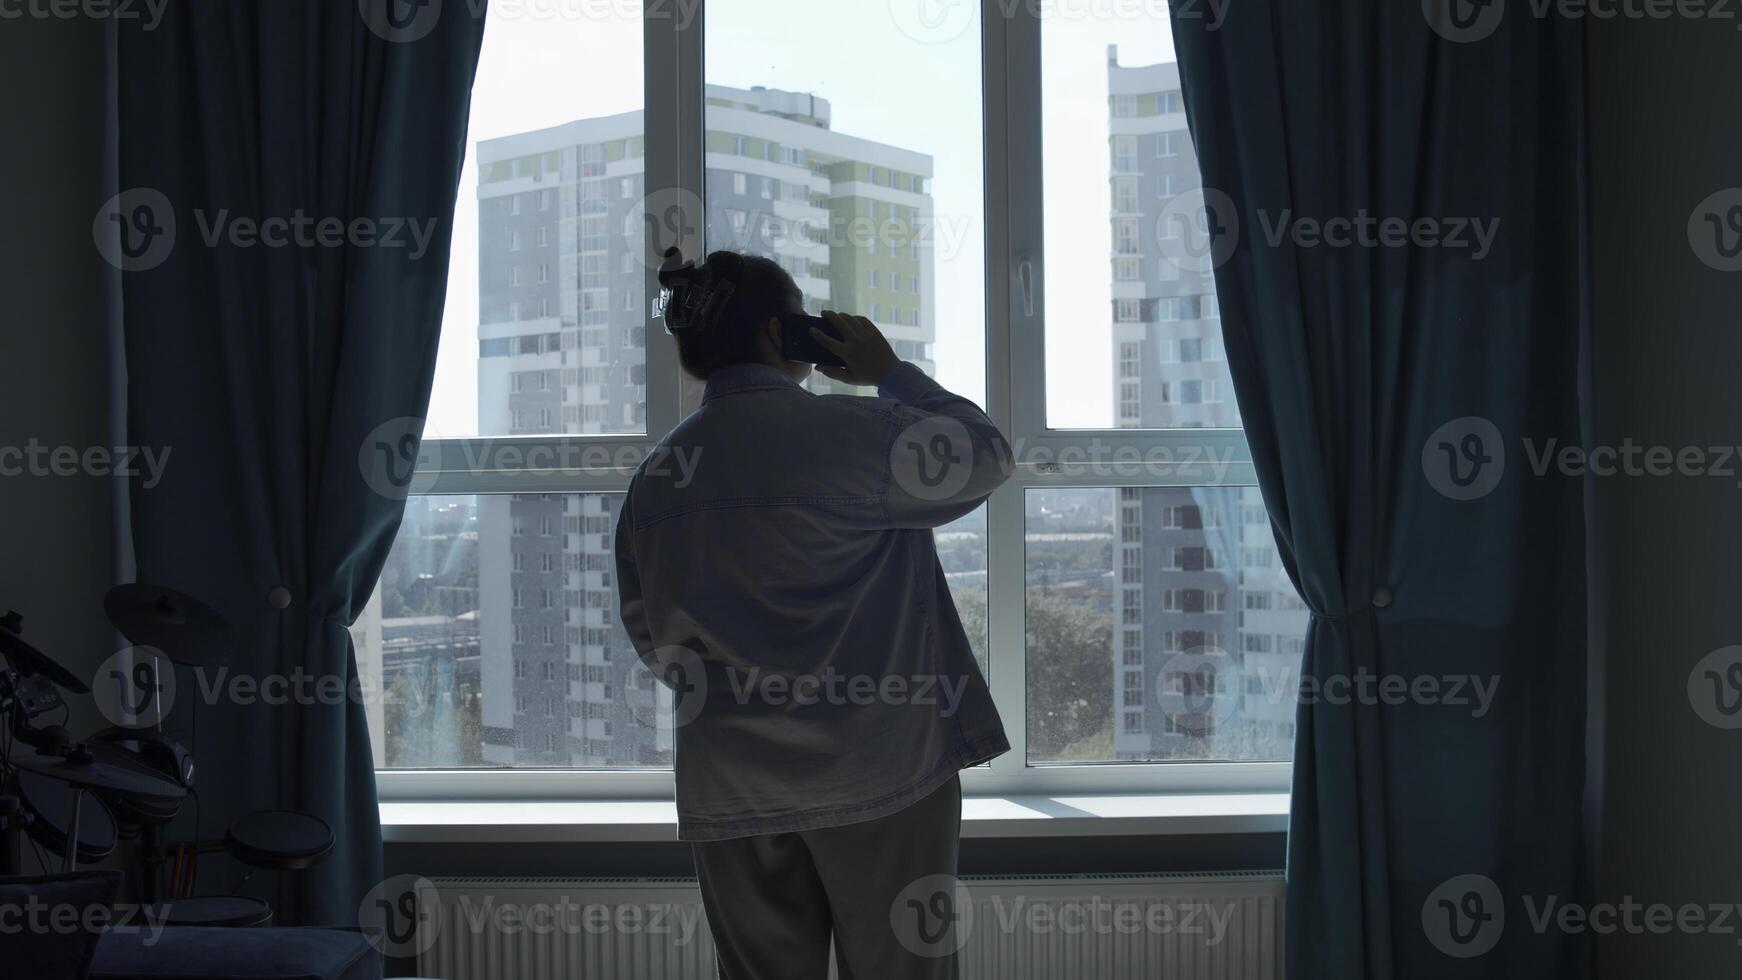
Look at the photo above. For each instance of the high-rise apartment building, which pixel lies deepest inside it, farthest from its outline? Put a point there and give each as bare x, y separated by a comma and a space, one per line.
562, 320
1207, 628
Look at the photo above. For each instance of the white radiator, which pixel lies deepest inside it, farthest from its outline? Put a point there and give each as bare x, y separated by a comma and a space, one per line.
1113, 927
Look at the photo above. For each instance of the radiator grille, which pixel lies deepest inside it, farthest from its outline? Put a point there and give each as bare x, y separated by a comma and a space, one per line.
1056, 927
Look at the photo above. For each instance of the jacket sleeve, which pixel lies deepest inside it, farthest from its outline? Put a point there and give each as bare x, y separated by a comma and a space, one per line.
631, 609
946, 455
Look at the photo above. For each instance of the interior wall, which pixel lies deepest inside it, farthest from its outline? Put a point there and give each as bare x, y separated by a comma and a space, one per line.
55, 530
1665, 134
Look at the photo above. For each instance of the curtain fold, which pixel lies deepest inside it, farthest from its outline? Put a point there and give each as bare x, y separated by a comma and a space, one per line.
289, 172
1397, 393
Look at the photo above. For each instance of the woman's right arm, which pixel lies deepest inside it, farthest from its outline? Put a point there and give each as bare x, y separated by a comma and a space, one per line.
946, 455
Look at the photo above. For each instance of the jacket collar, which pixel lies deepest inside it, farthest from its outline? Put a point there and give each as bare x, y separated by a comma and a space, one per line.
746, 377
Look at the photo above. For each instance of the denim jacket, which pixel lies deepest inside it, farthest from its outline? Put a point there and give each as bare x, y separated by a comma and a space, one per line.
776, 570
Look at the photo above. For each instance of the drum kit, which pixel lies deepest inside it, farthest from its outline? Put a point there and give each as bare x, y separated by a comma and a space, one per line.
79, 799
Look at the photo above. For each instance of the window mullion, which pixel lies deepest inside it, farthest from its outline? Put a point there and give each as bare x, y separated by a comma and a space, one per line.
673, 206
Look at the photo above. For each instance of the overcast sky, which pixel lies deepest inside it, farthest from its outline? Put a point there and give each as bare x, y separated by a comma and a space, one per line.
550, 61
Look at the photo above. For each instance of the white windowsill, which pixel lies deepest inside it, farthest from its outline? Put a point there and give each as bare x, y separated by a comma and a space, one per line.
601, 821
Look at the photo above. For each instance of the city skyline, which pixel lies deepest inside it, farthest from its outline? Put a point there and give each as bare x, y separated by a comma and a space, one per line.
513, 631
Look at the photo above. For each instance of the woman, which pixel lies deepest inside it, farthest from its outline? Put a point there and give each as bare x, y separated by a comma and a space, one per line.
785, 585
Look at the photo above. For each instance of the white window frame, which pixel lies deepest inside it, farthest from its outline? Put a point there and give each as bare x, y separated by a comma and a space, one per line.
1015, 362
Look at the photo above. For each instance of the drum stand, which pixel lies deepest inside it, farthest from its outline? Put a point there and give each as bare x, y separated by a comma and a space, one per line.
11, 837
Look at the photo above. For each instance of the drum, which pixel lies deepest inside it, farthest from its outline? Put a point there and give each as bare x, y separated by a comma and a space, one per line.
281, 840
49, 802
212, 911
135, 810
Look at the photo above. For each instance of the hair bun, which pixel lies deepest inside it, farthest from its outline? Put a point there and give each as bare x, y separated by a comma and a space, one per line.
694, 298
725, 266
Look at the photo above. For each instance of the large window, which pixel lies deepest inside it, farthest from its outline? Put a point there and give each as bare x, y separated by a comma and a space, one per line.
1122, 591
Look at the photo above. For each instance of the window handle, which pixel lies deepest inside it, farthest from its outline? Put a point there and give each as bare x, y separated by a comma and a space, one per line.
1025, 277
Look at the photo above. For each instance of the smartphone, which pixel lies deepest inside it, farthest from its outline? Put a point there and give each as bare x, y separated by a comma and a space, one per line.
797, 344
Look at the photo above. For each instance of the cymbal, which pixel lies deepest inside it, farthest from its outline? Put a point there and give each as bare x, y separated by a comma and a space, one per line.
30, 661
81, 768
186, 630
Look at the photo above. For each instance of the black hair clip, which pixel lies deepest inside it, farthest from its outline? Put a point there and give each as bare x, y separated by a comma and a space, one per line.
690, 298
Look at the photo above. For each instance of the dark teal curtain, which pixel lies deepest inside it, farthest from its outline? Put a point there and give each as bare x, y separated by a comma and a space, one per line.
263, 368
1392, 394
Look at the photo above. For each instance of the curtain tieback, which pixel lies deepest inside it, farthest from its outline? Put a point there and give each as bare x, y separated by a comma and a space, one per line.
1381, 598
